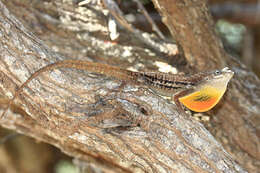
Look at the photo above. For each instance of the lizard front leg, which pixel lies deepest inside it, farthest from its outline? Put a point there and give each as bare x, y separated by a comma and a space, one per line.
176, 100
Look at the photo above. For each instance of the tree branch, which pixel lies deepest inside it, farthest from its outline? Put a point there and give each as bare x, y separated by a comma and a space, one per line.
235, 122
117, 126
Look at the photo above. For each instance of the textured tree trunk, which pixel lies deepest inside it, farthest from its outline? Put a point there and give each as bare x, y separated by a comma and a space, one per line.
236, 122
112, 124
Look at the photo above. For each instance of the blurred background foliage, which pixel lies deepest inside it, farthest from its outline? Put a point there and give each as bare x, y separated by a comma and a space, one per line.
236, 22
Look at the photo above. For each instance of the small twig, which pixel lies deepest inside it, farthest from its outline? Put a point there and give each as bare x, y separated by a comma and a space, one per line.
150, 20
115, 11
118, 15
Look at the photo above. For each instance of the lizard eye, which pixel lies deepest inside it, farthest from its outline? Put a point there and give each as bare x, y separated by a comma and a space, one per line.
217, 72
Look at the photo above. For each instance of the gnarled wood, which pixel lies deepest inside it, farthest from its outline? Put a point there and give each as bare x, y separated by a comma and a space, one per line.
235, 123
115, 125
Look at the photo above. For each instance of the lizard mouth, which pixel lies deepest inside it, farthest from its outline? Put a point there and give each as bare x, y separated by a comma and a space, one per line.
227, 70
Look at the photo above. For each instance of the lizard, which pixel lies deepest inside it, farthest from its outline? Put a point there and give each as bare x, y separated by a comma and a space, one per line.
198, 92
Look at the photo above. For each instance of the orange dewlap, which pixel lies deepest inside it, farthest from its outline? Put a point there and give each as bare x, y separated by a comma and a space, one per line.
202, 100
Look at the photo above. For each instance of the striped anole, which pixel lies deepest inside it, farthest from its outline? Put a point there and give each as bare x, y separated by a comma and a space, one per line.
199, 92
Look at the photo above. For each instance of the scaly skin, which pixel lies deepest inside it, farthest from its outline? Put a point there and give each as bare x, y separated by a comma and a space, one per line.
192, 91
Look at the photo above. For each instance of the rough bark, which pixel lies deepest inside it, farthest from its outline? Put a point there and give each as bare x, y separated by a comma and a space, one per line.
191, 25
236, 123
117, 126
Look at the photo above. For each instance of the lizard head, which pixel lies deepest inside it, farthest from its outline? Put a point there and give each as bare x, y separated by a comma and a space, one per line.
208, 91
218, 78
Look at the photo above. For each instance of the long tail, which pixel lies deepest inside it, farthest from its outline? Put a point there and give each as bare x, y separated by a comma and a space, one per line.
81, 65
